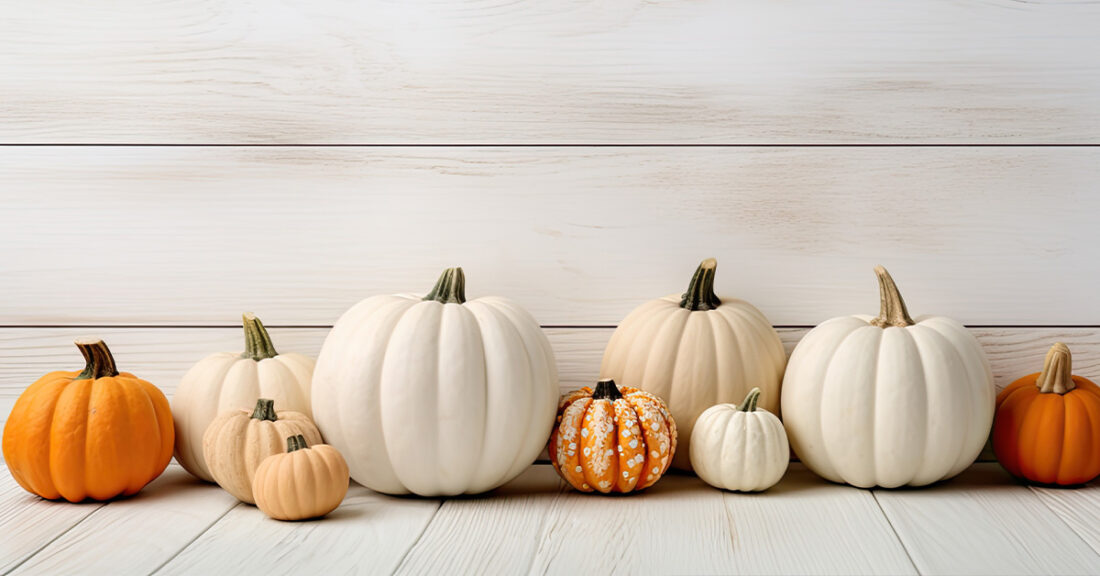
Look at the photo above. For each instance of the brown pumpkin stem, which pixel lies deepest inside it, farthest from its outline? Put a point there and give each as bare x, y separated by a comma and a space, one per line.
257, 342
892, 311
606, 390
749, 405
1057, 374
450, 288
265, 410
99, 361
700, 293
296, 443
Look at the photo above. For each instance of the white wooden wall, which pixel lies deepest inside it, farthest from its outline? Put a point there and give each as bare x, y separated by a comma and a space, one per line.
166, 166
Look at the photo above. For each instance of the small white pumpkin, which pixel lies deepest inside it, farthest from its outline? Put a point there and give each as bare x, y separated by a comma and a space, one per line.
436, 395
696, 350
227, 381
888, 401
742, 448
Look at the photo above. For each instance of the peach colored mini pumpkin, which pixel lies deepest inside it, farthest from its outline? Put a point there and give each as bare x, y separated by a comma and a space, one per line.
305, 482
612, 439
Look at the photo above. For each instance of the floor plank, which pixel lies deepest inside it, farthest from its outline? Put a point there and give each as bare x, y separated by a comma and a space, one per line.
1079, 507
368, 534
135, 535
984, 522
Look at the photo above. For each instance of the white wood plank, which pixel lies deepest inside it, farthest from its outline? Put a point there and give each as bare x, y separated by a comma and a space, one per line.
496, 533
983, 522
30, 523
368, 534
755, 71
1078, 507
136, 535
578, 236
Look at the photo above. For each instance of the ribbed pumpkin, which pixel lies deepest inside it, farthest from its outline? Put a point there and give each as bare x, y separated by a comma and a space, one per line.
611, 439
229, 381
236, 443
95, 434
696, 350
1047, 427
740, 447
305, 482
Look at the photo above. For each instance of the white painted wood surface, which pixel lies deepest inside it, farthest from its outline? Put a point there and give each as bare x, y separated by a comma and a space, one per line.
578, 236
753, 71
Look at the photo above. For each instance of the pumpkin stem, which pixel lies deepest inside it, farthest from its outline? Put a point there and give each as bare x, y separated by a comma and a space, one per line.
700, 293
1057, 374
606, 390
450, 288
257, 342
892, 311
99, 361
265, 410
749, 405
296, 443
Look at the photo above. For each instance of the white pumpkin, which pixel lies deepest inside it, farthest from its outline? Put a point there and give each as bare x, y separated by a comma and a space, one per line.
435, 395
695, 351
888, 401
228, 381
742, 448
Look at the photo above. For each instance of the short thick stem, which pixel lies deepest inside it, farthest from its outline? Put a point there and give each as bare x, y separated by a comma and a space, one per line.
257, 342
450, 288
606, 390
749, 404
1057, 374
892, 311
296, 443
700, 293
265, 410
99, 361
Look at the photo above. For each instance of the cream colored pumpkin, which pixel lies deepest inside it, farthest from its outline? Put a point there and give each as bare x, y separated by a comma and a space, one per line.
742, 448
695, 351
305, 482
888, 401
237, 442
435, 395
234, 381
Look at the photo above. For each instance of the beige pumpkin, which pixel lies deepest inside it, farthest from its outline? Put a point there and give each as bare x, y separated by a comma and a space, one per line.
305, 482
236, 443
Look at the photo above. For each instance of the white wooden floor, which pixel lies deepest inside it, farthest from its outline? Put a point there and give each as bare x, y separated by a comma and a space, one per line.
981, 522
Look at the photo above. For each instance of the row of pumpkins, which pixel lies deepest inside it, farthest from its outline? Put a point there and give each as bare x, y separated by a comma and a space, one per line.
437, 395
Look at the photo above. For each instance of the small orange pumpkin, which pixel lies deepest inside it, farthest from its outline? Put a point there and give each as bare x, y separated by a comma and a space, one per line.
95, 434
303, 482
1047, 427
612, 439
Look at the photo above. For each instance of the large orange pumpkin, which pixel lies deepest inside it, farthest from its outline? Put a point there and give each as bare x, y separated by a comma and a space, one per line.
95, 434
1047, 427
612, 439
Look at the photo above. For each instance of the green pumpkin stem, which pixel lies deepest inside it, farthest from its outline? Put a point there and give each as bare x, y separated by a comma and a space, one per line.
892, 311
265, 410
606, 390
450, 288
257, 342
700, 293
749, 404
1057, 374
296, 443
99, 361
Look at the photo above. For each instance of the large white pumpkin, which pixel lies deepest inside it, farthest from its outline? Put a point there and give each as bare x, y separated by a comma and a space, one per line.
229, 381
740, 447
696, 350
435, 395
888, 401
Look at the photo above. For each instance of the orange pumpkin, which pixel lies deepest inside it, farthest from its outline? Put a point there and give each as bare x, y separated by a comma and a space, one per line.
95, 434
612, 439
1047, 427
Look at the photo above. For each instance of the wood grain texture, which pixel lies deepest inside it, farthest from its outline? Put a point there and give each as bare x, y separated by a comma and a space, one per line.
983, 522
135, 535
368, 534
578, 236
1078, 507
547, 72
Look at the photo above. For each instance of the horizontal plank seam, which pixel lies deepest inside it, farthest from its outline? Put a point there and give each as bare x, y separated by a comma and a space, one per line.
897, 536
54, 539
423, 530
554, 145
1033, 490
544, 326
197, 536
